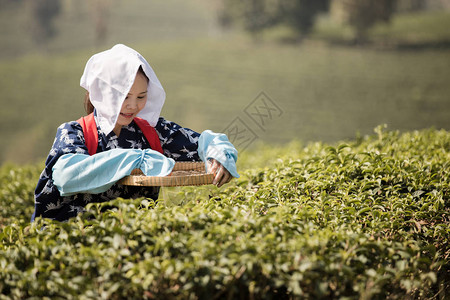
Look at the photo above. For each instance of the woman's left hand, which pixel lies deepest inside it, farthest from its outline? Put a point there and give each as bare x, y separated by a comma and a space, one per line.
222, 175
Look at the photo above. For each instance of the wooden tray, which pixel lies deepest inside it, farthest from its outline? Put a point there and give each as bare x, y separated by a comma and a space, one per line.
183, 174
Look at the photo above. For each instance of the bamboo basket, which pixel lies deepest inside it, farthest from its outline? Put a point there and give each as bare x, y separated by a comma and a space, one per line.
183, 174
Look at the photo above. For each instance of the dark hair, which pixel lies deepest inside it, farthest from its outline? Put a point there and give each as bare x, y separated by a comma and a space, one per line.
89, 108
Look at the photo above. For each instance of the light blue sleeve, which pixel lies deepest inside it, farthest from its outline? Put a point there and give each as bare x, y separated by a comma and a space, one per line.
81, 173
217, 146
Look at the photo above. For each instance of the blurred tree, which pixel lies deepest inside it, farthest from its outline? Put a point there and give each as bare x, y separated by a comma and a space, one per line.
361, 15
257, 15
301, 14
42, 14
253, 15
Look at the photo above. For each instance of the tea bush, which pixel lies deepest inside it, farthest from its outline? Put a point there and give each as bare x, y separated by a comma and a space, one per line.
366, 219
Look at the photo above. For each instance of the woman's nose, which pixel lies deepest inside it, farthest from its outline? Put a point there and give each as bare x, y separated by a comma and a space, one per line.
131, 103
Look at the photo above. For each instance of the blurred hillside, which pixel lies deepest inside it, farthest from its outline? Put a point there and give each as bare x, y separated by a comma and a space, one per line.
78, 22
272, 90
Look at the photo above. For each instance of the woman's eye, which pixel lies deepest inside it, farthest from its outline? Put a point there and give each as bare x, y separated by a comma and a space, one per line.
141, 97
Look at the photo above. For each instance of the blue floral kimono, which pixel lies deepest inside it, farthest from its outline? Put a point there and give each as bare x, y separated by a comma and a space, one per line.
177, 142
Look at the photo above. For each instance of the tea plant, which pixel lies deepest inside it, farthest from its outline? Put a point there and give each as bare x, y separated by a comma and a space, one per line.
367, 219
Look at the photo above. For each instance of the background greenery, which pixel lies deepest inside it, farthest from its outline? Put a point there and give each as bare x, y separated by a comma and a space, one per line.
364, 219
327, 90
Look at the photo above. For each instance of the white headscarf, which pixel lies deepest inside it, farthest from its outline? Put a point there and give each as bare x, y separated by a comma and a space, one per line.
108, 77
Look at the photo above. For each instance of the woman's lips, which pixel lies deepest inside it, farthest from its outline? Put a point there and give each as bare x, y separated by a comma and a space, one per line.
127, 115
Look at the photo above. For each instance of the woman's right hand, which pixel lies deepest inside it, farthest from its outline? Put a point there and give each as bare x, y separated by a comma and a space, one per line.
221, 175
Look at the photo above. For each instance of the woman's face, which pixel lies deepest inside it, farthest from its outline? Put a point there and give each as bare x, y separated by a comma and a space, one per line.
134, 102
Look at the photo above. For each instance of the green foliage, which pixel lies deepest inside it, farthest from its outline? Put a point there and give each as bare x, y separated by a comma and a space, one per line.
415, 29
301, 14
254, 15
361, 15
257, 15
16, 193
42, 14
366, 219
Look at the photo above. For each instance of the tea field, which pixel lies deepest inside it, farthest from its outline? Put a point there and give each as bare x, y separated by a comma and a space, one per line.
364, 219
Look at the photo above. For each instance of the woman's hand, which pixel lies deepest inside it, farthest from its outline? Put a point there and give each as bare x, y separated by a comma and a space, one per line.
222, 175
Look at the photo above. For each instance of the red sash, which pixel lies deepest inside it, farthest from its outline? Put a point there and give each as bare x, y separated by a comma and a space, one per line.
91, 134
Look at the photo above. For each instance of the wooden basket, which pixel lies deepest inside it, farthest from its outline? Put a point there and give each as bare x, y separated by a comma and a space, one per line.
183, 174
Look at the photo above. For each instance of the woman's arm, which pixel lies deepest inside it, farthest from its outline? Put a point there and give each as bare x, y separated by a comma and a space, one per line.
81, 173
216, 146
184, 144
69, 139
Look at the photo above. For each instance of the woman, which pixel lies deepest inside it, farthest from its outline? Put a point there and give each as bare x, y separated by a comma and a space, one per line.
123, 131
